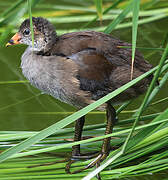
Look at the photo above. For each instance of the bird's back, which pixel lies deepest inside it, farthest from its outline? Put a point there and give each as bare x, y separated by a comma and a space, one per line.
103, 65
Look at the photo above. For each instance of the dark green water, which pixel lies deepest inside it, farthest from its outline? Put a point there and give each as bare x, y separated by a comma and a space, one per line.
23, 108
19, 113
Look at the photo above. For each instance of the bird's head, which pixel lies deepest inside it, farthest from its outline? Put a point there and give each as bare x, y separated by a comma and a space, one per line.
44, 34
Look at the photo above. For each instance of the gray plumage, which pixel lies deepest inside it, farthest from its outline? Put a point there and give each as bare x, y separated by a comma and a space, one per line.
79, 68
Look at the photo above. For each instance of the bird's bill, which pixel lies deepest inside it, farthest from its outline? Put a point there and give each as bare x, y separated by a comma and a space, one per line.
14, 40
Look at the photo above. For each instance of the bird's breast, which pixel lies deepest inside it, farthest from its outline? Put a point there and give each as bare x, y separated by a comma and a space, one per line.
43, 75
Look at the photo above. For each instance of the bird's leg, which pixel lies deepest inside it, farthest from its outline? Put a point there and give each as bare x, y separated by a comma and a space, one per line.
111, 119
76, 148
76, 155
77, 136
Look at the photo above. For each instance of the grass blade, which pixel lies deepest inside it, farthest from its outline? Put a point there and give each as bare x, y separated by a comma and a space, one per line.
99, 4
119, 18
31, 23
136, 4
104, 12
10, 9
151, 87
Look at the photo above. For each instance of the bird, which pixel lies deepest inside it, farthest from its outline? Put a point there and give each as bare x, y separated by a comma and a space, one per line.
79, 68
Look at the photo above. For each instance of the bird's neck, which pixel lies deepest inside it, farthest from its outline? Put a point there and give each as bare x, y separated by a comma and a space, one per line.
49, 41
45, 45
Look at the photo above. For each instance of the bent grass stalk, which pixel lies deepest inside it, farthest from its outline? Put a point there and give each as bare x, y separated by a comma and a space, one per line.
31, 23
159, 164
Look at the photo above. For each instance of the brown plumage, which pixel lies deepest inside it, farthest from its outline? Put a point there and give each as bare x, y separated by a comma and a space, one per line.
79, 68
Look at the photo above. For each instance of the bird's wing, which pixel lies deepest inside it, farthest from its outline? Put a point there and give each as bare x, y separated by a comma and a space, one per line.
106, 45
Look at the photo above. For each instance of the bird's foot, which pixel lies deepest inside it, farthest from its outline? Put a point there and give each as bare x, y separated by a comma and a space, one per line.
78, 157
96, 162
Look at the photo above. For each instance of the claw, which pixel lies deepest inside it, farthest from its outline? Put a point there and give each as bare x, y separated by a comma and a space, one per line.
76, 158
68, 166
91, 164
96, 162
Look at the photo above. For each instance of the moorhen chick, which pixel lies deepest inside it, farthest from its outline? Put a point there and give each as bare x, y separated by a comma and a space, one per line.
79, 68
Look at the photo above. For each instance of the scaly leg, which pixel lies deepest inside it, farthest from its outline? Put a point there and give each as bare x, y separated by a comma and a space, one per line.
76, 149
111, 118
77, 136
76, 155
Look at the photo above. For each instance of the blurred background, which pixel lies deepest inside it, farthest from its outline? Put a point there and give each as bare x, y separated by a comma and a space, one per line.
22, 107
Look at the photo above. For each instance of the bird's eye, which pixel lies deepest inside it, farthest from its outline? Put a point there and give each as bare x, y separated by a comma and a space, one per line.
26, 32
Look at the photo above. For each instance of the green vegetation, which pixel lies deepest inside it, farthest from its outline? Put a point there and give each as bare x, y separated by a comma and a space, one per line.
142, 148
